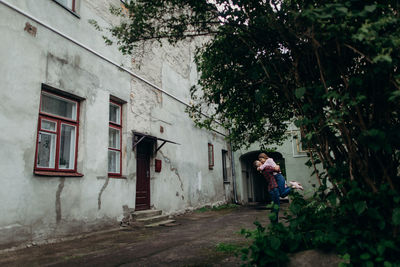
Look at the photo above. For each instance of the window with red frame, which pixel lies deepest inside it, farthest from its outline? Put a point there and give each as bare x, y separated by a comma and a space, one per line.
210, 156
57, 138
70, 4
114, 139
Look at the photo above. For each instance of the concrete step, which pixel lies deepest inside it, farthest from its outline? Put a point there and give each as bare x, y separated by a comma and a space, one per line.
154, 219
161, 223
145, 214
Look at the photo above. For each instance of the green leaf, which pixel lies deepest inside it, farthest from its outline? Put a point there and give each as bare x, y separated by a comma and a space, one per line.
381, 249
299, 92
370, 8
382, 58
365, 256
342, 9
360, 206
396, 216
332, 199
275, 242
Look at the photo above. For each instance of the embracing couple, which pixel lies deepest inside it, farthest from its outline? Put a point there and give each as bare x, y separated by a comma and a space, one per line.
276, 182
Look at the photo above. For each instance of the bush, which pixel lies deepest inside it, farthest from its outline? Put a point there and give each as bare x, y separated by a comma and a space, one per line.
359, 228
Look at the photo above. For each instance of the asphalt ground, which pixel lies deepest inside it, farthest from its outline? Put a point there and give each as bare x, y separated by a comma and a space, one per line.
195, 239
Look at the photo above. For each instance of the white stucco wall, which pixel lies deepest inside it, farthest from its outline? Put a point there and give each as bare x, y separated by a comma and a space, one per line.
34, 207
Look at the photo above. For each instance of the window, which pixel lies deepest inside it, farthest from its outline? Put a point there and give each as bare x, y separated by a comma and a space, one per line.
210, 156
56, 147
299, 137
114, 139
70, 4
224, 171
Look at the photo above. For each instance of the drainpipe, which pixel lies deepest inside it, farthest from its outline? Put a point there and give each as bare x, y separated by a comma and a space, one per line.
233, 173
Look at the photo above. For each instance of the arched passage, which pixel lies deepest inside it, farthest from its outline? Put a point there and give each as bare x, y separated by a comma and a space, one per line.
254, 184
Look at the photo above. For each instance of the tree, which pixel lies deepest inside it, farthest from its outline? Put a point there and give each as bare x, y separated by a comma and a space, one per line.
331, 66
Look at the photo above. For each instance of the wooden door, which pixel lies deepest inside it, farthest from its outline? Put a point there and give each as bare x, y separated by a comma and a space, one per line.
143, 176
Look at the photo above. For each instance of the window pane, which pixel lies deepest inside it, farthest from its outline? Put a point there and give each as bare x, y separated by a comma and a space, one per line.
113, 161
48, 125
113, 138
58, 106
66, 3
210, 155
46, 150
67, 147
224, 172
115, 112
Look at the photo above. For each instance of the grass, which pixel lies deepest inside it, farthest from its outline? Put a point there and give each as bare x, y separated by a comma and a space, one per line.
229, 248
218, 208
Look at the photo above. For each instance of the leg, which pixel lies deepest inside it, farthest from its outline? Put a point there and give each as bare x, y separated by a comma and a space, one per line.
296, 185
274, 194
280, 180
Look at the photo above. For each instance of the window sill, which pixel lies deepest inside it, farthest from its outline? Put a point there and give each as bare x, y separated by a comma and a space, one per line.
59, 174
116, 176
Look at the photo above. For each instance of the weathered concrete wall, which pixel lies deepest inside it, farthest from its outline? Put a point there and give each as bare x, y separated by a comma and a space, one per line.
37, 208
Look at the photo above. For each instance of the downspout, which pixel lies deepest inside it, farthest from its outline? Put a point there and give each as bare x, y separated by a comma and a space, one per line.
233, 173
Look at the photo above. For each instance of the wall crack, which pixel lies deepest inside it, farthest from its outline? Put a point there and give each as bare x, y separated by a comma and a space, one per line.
101, 192
58, 199
172, 168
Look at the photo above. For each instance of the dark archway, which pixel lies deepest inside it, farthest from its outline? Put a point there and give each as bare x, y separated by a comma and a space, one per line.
254, 182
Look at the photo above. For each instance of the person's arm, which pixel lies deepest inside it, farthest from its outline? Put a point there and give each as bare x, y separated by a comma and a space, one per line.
271, 169
263, 166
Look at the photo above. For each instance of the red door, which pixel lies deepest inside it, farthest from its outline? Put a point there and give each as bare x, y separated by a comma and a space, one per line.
143, 176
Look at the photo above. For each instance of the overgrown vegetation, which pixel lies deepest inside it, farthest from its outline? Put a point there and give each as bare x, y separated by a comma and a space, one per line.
356, 231
331, 67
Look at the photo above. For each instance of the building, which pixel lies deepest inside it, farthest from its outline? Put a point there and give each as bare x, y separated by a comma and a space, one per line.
85, 132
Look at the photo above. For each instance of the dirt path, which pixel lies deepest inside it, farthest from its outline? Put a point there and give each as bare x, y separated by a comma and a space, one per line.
191, 242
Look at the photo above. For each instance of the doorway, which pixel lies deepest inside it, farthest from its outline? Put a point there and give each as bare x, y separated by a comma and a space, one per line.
143, 153
254, 183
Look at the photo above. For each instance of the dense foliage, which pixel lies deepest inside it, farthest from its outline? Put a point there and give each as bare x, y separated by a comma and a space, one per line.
332, 67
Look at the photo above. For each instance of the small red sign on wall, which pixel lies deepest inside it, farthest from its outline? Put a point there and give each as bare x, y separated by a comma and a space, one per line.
158, 165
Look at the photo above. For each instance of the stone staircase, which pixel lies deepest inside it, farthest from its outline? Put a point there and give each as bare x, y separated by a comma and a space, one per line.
151, 218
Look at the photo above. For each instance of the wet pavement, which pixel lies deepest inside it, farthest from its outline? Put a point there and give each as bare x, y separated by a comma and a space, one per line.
191, 241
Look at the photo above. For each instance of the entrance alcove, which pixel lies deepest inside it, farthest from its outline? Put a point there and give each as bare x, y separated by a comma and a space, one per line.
253, 182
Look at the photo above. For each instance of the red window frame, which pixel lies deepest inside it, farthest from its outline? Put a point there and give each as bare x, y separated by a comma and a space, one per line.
210, 156
72, 5
117, 126
59, 120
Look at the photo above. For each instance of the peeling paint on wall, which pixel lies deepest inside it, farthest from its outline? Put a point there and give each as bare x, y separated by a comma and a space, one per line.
58, 199
199, 178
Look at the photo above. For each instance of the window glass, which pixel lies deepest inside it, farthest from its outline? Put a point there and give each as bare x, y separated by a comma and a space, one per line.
224, 170
49, 125
66, 3
210, 156
67, 147
115, 112
113, 138
58, 106
46, 150
113, 161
